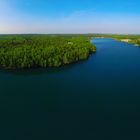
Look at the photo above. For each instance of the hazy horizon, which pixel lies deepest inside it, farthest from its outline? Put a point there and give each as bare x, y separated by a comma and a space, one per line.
69, 17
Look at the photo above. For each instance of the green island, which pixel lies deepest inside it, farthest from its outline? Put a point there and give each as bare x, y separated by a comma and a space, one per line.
31, 51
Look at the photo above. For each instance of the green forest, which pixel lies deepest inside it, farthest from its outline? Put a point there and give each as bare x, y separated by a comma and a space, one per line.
30, 51
133, 39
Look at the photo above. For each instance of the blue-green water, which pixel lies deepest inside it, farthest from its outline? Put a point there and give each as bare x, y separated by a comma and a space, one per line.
98, 99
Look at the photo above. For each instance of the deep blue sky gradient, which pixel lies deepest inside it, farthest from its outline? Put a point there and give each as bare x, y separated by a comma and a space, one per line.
70, 16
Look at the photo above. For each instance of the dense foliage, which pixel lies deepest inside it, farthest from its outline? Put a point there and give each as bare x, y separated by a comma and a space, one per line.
133, 39
26, 51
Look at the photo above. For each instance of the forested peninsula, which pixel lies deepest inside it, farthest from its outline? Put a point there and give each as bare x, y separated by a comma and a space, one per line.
32, 51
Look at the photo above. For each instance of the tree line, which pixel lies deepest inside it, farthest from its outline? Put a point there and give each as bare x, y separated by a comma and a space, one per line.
29, 51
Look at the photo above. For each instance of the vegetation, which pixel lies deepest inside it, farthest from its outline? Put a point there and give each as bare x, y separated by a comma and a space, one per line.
28, 51
133, 39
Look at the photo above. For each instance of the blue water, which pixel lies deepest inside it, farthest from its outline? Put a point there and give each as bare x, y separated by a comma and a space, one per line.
97, 99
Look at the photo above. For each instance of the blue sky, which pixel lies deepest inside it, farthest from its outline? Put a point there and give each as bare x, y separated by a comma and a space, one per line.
70, 16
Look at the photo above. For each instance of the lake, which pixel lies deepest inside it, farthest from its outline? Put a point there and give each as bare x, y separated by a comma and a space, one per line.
96, 99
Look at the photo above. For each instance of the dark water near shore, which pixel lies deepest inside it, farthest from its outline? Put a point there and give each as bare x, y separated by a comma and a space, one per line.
98, 99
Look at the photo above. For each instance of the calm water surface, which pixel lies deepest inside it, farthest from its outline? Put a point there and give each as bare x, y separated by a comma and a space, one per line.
98, 99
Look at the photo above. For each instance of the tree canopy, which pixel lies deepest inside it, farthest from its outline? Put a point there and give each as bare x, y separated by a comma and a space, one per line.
28, 51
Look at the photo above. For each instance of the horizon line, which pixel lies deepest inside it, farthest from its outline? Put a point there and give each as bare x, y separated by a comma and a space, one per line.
68, 33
